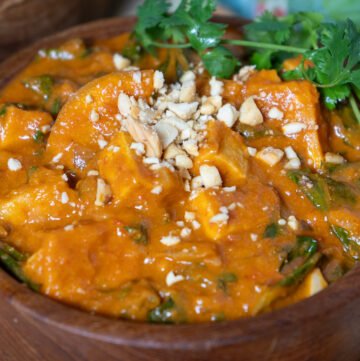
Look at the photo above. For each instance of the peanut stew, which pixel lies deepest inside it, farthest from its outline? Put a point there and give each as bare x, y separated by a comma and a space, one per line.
141, 187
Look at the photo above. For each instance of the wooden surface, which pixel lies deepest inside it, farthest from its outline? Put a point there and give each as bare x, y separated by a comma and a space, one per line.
325, 327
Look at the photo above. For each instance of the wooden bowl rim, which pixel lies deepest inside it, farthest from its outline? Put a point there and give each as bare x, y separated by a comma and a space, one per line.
143, 335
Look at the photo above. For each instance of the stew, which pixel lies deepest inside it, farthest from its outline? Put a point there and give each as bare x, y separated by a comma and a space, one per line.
141, 187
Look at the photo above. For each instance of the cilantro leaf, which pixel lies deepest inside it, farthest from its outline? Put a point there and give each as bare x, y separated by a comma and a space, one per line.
262, 59
174, 26
202, 10
268, 28
336, 62
220, 62
150, 15
355, 78
203, 36
332, 96
299, 30
294, 74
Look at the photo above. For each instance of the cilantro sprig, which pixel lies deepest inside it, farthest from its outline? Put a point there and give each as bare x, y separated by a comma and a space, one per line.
330, 52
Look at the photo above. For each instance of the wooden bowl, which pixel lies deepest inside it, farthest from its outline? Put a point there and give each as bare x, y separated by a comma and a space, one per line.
324, 327
22, 21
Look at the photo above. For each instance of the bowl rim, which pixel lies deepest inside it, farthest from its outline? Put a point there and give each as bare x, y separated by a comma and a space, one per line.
201, 336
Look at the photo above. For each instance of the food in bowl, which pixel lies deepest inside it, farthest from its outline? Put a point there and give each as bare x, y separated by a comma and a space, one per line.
156, 185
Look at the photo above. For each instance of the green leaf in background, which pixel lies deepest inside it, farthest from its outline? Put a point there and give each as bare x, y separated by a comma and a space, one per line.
342, 9
201, 10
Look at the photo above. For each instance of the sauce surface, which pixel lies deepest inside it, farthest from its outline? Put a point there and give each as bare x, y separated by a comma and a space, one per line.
190, 200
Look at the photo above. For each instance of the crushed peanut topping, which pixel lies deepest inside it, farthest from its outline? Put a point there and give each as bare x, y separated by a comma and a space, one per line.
210, 176
293, 128
171, 278
14, 164
120, 62
250, 114
103, 193
334, 158
270, 155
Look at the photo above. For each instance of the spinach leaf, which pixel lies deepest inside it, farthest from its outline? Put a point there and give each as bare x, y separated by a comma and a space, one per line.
305, 247
224, 279
272, 230
350, 244
56, 106
300, 260
3, 110
341, 193
323, 191
138, 233
162, 313
12, 260
41, 85
39, 137
300, 272
313, 186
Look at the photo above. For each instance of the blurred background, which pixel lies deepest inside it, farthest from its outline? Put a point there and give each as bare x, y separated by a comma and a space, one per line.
23, 21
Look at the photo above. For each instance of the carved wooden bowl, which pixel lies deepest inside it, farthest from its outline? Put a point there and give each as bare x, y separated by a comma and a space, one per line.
324, 327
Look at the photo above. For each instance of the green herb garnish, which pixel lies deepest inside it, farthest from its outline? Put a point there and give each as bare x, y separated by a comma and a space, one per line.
333, 49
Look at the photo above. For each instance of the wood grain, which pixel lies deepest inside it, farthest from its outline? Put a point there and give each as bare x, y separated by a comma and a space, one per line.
325, 327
